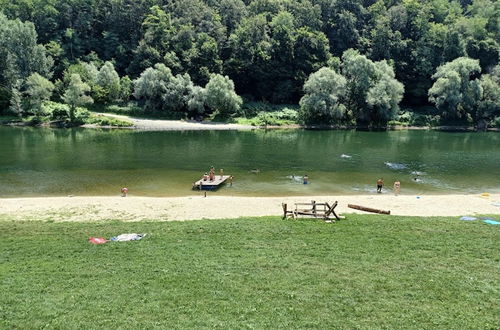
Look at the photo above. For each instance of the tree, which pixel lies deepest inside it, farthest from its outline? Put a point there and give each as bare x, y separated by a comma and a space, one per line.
16, 106
126, 86
38, 89
323, 99
220, 95
161, 91
457, 91
109, 80
196, 104
384, 95
373, 93
75, 94
20, 55
489, 105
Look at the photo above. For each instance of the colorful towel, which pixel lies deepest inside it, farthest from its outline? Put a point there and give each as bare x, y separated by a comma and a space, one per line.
492, 222
127, 237
97, 240
468, 218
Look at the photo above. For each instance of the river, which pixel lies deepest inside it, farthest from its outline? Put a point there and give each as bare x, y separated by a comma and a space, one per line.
90, 162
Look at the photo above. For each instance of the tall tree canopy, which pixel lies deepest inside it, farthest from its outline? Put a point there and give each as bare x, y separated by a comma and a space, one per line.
268, 48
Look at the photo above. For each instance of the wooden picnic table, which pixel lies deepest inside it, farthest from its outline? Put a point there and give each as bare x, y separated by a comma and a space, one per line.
312, 209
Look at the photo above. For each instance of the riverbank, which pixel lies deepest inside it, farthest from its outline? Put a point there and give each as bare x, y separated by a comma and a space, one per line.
135, 208
179, 125
184, 125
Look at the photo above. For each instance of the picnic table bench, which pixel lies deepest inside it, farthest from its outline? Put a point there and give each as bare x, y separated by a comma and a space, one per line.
312, 209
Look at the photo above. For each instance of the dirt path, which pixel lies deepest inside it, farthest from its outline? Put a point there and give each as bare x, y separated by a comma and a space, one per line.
168, 125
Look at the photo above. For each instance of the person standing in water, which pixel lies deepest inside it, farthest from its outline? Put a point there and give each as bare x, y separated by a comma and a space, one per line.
306, 179
380, 184
397, 187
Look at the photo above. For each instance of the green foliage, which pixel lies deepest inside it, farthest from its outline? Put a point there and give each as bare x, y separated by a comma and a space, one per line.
76, 95
413, 118
496, 122
373, 93
282, 117
107, 121
369, 271
109, 81
57, 111
196, 104
161, 91
322, 102
16, 102
20, 55
220, 95
268, 48
126, 87
38, 89
489, 105
456, 92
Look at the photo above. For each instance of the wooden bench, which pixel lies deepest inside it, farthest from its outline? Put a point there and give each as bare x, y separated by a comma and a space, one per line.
313, 209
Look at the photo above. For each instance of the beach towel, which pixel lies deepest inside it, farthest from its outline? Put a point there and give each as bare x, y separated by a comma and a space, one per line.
495, 204
97, 240
492, 222
468, 218
127, 237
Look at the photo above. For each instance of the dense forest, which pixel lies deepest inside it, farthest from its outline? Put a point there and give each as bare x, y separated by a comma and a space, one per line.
340, 61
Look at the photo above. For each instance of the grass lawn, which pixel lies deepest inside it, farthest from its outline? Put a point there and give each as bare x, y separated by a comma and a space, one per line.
364, 272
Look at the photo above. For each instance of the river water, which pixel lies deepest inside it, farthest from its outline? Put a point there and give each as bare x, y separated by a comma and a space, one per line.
61, 162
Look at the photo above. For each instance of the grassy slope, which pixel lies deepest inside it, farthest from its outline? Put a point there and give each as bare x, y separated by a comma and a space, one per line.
364, 272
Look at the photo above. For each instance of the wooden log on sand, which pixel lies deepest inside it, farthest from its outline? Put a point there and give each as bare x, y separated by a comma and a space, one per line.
367, 209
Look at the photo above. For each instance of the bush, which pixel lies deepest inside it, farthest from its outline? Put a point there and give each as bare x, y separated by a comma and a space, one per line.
274, 118
107, 121
496, 122
81, 116
411, 118
56, 111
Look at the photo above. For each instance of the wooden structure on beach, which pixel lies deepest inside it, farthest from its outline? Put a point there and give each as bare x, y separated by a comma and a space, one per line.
368, 209
323, 211
214, 184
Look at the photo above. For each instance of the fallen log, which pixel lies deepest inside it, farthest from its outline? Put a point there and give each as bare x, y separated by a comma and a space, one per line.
367, 209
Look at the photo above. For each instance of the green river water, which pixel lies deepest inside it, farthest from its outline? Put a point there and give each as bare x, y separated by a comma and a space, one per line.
61, 162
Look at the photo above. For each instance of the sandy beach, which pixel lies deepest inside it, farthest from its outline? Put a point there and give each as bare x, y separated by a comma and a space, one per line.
176, 125
194, 207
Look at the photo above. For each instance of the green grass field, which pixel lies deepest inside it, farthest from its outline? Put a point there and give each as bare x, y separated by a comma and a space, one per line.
363, 272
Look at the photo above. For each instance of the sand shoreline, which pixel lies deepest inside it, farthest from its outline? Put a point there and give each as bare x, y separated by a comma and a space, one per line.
135, 208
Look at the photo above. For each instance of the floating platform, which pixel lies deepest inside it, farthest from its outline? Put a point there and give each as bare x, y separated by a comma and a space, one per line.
211, 185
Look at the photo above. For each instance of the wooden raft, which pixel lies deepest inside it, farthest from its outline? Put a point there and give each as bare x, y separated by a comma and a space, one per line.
313, 209
211, 185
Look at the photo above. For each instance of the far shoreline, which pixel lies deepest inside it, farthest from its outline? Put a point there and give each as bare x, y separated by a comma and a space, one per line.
188, 125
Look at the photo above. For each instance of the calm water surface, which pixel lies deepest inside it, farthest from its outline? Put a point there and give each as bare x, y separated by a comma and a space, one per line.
56, 162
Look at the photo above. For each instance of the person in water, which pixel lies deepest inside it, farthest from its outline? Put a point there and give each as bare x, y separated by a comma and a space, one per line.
306, 179
397, 187
380, 184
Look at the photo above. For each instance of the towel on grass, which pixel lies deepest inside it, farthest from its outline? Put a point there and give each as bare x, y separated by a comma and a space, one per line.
492, 222
468, 218
127, 237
